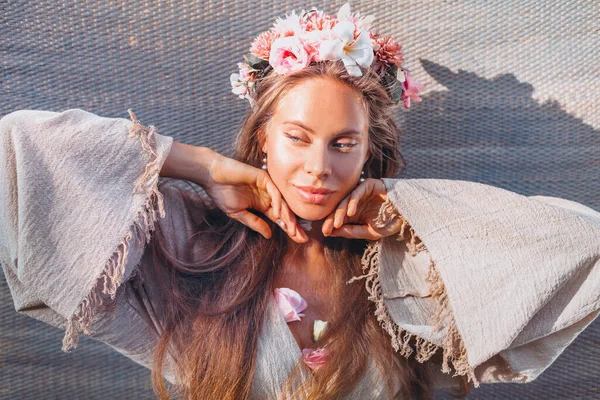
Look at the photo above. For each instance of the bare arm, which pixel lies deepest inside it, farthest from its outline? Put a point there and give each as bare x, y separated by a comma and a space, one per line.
234, 187
189, 162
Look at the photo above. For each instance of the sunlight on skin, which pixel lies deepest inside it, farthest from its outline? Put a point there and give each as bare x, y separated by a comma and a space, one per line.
316, 141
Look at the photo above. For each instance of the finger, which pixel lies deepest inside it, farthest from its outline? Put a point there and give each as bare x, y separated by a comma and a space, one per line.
356, 232
340, 213
253, 222
327, 226
275, 198
355, 197
289, 224
289, 220
299, 236
270, 213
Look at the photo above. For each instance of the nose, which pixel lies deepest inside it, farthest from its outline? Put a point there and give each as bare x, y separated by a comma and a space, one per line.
317, 162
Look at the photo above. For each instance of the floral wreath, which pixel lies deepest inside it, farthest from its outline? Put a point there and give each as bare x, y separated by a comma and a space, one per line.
298, 40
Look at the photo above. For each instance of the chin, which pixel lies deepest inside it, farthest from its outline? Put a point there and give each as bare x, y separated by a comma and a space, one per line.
311, 212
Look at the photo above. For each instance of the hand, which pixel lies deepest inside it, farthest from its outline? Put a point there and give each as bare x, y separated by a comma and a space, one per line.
236, 187
354, 216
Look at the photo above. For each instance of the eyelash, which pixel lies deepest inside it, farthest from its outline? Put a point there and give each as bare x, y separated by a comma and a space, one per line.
293, 138
296, 139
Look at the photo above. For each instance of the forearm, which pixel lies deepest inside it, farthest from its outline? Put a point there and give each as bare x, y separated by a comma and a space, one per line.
189, 162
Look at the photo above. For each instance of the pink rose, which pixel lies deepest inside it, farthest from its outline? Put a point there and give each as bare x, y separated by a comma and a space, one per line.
411, 90
312, 43
315, 359
290, 303
288, 55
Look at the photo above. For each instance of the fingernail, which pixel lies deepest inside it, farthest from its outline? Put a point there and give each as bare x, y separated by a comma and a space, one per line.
281, 224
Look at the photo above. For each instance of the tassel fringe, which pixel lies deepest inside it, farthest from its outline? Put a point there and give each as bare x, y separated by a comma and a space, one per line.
454, 352
113, 273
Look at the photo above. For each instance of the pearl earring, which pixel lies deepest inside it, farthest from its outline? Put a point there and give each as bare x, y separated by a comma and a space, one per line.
264, 161
362, 176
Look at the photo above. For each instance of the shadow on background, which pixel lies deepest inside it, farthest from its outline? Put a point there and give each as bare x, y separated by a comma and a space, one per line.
493, 131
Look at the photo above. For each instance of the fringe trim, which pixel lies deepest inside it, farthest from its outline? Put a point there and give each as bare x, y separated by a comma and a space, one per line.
387, 213
144, 221
454, 351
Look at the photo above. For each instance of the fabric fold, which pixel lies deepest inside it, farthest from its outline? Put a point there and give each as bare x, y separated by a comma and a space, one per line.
113, 274
504, 271
79, 201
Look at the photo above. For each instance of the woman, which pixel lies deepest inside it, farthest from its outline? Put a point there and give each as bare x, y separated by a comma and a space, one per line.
224, 312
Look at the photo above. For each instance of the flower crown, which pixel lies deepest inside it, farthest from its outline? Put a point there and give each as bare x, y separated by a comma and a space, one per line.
298, 40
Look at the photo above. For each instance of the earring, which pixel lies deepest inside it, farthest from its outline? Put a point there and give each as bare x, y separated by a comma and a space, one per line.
362, 176
264, 161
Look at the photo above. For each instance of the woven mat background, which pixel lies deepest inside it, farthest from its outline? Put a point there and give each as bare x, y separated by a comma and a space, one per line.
512, 101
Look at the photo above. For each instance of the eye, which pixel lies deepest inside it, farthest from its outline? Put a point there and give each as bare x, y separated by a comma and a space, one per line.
293, 138
345, 146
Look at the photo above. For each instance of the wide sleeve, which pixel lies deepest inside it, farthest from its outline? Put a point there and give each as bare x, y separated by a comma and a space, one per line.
78, 202
497, 282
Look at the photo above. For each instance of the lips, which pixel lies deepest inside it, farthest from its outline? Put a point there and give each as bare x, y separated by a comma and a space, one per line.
312, 194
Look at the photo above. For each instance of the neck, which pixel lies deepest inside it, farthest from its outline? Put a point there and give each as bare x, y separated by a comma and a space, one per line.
307, 256
313, 229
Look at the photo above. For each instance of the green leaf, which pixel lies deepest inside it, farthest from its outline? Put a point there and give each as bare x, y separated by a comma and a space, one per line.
255, 62
392, 85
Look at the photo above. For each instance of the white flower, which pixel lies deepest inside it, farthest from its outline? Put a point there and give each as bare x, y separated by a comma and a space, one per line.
242, 88
353, 53
319, 328
344, 14
238, 86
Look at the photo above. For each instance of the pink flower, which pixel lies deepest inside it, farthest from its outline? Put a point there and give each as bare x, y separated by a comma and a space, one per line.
411, 90
288, 55
291, 25
313, 40
319, 21
387, 52
290, 303
315, 359
261, 47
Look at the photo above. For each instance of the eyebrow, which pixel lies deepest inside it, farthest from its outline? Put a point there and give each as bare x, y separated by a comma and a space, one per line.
301, 125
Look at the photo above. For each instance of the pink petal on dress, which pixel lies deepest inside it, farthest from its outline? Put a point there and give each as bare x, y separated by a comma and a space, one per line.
290, 303
315, 359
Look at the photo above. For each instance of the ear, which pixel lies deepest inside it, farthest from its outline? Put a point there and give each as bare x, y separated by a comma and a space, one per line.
262, 137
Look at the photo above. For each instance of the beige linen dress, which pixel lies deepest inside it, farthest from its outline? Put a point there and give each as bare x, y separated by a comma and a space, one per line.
502, 283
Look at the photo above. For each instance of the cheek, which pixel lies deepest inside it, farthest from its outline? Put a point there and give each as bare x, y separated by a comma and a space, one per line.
347, 168
281, 161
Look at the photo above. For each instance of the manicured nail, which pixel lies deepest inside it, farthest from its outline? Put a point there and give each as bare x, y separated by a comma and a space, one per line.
338, 222
282, 224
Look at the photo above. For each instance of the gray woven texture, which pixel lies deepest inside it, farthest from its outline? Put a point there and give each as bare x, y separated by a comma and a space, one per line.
511, 101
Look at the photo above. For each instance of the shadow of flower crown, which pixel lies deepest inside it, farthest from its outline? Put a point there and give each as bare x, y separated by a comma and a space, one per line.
296, 41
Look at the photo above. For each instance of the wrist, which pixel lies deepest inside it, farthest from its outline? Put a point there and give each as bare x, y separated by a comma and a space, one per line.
192, 163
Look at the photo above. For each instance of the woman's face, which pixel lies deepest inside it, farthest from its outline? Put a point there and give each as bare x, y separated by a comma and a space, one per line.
317, 144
